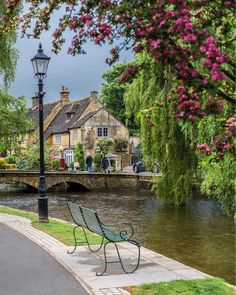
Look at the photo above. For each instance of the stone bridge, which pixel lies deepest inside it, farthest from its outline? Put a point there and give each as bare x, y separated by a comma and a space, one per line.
82, 180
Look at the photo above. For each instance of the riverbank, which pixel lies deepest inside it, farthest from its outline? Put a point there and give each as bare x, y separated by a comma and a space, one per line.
153, 266
194, 235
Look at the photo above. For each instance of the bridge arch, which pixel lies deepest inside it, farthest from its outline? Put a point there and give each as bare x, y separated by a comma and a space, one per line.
70, 185
27, 181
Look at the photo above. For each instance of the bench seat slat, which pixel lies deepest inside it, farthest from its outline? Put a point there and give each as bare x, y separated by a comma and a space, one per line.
91, 220
76, 214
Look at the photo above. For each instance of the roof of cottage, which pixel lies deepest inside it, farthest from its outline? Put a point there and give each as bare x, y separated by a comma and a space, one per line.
33, 113
68, 115
86, 117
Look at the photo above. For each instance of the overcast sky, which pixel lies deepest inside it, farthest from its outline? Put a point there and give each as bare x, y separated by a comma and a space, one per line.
81, 74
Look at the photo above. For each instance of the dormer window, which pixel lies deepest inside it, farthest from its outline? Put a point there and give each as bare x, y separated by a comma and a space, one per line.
69, 115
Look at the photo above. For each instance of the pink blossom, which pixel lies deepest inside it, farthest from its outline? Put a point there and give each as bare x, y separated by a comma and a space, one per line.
192, 117
181, 90
207, 63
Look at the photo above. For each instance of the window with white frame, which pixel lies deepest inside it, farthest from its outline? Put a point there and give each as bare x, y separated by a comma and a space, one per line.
102, 131
58, 139
69, 156
75, 134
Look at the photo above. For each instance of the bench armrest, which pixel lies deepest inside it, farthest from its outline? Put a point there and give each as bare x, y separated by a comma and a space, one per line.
126, 233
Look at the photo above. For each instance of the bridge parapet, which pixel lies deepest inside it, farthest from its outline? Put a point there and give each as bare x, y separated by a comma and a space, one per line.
91, 181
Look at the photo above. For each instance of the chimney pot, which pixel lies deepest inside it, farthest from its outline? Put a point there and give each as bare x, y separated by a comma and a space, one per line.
64, 94
35, 100
94, 94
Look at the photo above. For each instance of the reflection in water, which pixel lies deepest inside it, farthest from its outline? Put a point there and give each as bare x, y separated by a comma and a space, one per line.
197, 235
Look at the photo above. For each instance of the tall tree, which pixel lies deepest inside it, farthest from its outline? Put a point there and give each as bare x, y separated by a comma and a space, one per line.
12, 121
194, 38
8, 56
162, 137
183, 159
112, 93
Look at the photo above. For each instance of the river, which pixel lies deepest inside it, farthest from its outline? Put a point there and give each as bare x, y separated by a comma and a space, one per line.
198, 235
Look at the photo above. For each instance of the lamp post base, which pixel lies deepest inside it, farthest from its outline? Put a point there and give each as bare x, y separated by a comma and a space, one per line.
42, 200
43, 209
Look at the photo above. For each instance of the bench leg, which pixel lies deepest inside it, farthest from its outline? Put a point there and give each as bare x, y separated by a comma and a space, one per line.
86, 240
71, 252
100, 246
120, 260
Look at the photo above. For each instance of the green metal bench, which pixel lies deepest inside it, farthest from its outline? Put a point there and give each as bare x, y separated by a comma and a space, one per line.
88, 219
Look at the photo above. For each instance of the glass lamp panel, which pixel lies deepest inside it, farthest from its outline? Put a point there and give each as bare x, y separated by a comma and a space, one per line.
34, 63
42, 66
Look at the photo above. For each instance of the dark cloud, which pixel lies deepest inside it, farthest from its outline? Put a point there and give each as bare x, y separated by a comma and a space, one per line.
81, 74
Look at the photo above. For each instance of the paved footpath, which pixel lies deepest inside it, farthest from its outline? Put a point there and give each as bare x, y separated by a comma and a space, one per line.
83, 264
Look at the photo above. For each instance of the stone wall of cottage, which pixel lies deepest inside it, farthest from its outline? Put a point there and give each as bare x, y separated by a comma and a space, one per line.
75, 136
64, 143
102, 119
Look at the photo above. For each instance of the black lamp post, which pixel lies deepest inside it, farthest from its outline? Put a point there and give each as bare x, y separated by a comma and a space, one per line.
40, 64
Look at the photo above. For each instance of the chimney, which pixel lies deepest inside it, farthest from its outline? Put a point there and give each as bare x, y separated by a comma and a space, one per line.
35, 100
64, 94
94, 94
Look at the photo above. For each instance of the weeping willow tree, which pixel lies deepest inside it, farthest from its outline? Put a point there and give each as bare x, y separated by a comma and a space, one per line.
9, 55
162, 138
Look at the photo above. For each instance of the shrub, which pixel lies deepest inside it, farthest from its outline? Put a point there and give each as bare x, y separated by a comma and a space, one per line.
7, 166
71, 165
20, 164
31, 157
120, 144
97, 161
79, 155
2, 163
10, 159
105, 145
55, 164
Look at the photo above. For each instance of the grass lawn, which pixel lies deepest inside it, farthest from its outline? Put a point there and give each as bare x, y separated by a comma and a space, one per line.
59, 230
185, 287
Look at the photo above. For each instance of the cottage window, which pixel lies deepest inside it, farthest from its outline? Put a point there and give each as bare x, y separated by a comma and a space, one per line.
75, 134
58, 139
102, 131
105, 131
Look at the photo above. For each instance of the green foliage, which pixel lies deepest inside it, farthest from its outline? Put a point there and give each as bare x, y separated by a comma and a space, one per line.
185, 287
219, 181
55, 164
31, 157
112, 94
10, 159
2, 163
13, 122
162, 138
105, 144
120, 144
71, 165
79, 155
97, 161
9, 55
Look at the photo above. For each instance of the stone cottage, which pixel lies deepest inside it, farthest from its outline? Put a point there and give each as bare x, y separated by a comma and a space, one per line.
67, 122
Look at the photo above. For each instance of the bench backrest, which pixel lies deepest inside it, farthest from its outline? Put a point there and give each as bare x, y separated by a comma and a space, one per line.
92, 221
76, 214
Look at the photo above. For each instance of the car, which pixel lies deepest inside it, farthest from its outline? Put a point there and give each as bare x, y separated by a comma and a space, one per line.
139, 166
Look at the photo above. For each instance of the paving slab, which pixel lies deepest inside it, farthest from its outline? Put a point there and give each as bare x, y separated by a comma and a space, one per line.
84, 264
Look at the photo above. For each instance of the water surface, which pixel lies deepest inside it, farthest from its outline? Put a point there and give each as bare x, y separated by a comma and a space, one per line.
197, 235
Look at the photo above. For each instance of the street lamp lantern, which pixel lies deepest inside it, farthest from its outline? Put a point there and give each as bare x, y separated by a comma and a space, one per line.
40, 64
